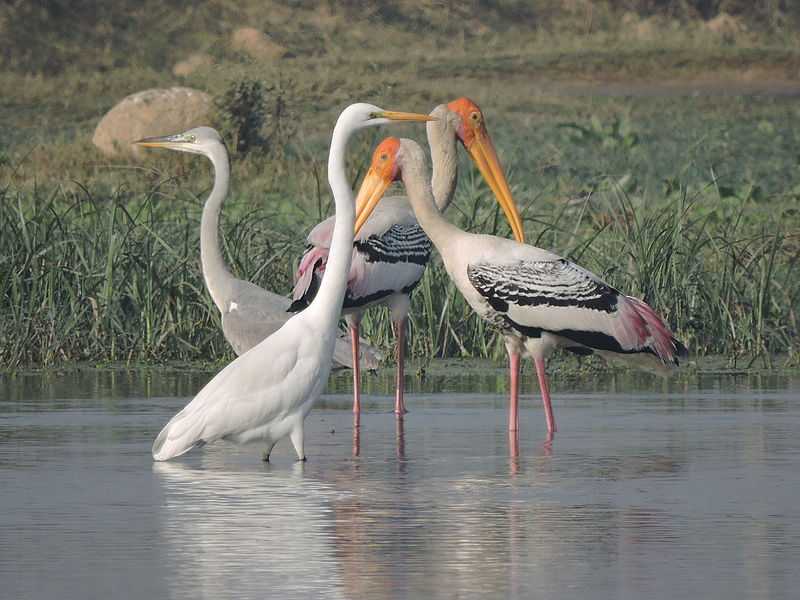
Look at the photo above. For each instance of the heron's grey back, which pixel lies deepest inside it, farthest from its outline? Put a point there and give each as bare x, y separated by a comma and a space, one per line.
253, 314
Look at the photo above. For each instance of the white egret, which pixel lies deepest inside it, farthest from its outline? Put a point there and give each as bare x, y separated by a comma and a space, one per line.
537, 299
391, 251
266, 393
249, 313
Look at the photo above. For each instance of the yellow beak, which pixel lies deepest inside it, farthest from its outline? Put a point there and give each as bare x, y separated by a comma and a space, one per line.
369, 194
483, 153
394, 115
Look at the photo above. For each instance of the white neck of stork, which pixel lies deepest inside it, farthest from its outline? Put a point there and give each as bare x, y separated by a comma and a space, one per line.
420, 196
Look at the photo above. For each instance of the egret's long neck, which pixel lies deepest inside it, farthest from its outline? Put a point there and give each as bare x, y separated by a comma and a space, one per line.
330, 295
215, 272
415, 180
444, 159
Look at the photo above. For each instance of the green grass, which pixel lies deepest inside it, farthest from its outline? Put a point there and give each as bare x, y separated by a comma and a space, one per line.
690, 202
116, 277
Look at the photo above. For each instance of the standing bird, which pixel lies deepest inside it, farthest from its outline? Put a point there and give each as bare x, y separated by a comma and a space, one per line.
392, 250
249, 313
539, 300
266, 393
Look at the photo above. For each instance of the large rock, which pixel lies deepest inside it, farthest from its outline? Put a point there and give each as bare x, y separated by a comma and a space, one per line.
194, 62
151, 112
256, 44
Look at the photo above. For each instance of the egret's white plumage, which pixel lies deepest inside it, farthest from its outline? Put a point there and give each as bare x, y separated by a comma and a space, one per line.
266, 393
539, 300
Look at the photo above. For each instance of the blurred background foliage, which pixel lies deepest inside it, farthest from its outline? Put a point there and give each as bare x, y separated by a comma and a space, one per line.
46, 36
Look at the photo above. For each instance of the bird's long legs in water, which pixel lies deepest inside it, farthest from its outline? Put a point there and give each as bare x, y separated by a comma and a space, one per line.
399, 404
541, 373
513, 401
356, 374
400, 334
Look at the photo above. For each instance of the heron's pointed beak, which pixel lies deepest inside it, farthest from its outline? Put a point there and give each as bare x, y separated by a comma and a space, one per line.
162, 141
394, 115
369, 194
153, 142
483, 153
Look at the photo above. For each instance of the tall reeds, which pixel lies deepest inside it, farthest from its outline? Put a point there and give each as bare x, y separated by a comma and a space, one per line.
118, 278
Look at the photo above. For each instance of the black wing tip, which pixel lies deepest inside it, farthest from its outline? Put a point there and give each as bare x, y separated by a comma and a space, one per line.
308, 296
298, 305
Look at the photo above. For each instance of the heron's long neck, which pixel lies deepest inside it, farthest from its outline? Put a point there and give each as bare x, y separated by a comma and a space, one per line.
331, 291
438, 229
444, 159
215, 272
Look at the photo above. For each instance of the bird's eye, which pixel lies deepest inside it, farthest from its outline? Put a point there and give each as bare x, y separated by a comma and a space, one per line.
384, 157
475, 117
191, 139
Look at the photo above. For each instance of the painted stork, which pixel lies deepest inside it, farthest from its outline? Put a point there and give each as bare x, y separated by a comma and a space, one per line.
537, 299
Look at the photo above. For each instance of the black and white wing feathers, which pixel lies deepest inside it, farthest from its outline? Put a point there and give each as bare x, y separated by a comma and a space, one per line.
543, 283
555, 296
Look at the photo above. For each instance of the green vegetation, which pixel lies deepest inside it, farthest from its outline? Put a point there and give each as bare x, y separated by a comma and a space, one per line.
690, 202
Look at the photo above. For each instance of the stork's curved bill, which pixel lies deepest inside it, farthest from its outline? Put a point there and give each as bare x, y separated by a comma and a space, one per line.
383, 171
478, 143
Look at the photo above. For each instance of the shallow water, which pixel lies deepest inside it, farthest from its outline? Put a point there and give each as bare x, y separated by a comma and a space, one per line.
649, 490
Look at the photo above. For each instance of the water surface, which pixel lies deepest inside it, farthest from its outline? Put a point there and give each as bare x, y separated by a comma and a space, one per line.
650, 490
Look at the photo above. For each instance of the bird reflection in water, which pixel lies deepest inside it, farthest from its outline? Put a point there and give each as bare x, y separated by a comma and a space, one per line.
226, 527
356, 434
399, 436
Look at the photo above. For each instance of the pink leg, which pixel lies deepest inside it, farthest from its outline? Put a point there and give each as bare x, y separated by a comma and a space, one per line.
513, 402
400, 331
543, 387
356, 375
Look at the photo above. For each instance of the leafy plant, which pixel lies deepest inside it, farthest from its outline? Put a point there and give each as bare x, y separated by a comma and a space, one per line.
255, 116
241, 113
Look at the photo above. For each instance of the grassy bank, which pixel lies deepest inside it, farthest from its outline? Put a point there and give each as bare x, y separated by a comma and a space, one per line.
113, 274
688, 201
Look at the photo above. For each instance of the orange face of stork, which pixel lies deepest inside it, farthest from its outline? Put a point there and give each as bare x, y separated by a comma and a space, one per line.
473, 135
383, 170
386, 167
